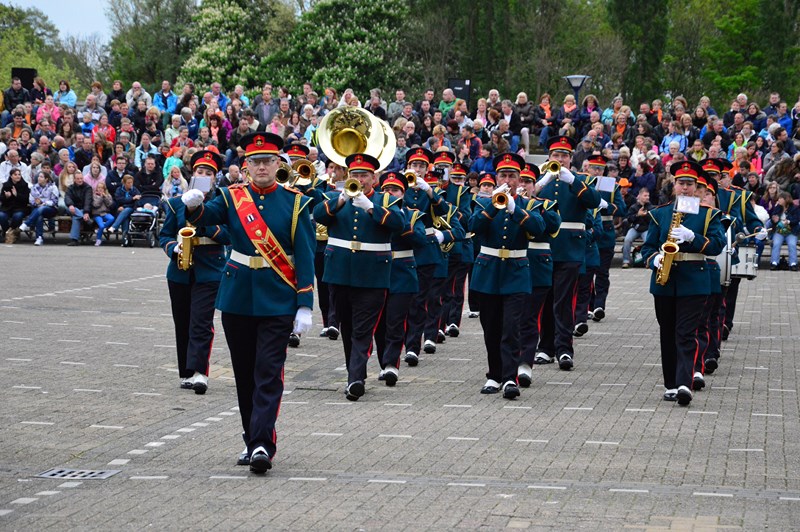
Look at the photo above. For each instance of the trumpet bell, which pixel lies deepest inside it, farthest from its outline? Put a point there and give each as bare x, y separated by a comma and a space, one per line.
411, 178
500, 201
553, 167
352, 187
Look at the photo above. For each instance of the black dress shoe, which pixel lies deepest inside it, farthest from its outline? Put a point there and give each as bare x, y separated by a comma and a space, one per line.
671, 395
429, 347
725, 332
598, 314
411, 359
565, 362
698, 382
711, 366
510, 391
333, 333
390, 377
580, 329
491, 387
524, 380
294, 340
186, 384
354, 391
440, 337
684, 395
244, 458
260, 461
543, 358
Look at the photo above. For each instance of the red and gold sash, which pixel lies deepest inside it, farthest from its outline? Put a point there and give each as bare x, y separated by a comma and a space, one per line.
262, 238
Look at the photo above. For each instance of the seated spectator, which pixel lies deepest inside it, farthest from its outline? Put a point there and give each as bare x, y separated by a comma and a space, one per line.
102, 202
125, 199
12, 162
44, 199
754, 185
94, 174
65, 95
65, 180
149, 181
785, 218
643, 178
638, 224
78, 200
144, 150
14, 196
49, 109
781, 173
483, 163
174, 185
173, 131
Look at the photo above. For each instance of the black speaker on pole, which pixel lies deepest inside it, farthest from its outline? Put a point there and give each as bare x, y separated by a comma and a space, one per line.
461, 88
25, 75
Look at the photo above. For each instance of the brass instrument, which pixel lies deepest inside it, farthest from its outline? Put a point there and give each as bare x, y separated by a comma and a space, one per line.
348, 130
303, 172
411, 178
554, 167
352, 187
669, 249
283, 174
186, 236
441, 223
500, 201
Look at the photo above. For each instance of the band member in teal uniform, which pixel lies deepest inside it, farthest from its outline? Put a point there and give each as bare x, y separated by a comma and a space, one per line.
606, 238
679, 301
267, 287
296, 150
591, 265
460, 259
358, 262
403, 285
531, 324
192, 291
501, 274
429, 258
568, 247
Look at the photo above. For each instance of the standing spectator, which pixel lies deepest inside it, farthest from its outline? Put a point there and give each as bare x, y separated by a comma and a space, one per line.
785, 218
102, 203
15, 95
136, 94
14, 196
638, 219
396, 107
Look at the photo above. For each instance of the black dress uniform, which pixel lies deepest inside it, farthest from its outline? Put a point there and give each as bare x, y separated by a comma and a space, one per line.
192, 292
358, 262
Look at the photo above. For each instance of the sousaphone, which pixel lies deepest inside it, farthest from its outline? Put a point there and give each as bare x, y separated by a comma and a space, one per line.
348, 130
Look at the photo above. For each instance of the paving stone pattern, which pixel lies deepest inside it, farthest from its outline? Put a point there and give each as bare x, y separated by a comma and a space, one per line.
87, 369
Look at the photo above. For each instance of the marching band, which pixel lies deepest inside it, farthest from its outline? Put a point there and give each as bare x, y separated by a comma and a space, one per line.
392, 253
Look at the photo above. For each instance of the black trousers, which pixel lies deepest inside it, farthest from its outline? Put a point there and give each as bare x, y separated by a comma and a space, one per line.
420, 304
500, 322
677, 320
532, 325
391, 331
729, 308
704, 333
715, 321
193, 315
453, 297
586, 286
325, 305
602, 281
559, 308
258, 354
358, 311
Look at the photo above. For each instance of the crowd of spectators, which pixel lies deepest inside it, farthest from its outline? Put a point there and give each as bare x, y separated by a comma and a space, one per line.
138, 144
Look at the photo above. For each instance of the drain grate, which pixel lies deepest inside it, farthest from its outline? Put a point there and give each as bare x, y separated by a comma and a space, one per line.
79, 474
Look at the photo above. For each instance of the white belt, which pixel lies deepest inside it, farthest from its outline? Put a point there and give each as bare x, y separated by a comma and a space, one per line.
683, 257
355, 245
254, 263
573, 225
505, 253
468, 236
429, 231
607, 218
402, 254
539, 245
205, 241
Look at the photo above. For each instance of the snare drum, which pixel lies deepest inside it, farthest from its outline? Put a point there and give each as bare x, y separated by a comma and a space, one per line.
748, 267
724, 261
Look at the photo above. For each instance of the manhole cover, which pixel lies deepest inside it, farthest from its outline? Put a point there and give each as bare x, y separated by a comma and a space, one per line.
79, 474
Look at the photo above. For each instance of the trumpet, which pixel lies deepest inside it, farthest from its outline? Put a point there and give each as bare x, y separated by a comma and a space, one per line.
352, 187
411, 178
500, 201
186, 236
283, 174
554, 167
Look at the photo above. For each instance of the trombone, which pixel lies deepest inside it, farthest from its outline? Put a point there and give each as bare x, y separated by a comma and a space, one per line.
283, 174
304, 172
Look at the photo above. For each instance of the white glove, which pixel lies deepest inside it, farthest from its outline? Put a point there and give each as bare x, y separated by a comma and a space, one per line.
762, 234
657, 261
566, 176
422, 185
439, 235
178, 248
682, 234
541, 183
511, 205
603, 203
302, 320
363, 202
193, 198
502, 188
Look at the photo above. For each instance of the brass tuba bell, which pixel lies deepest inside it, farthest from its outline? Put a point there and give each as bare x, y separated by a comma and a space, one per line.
348, 130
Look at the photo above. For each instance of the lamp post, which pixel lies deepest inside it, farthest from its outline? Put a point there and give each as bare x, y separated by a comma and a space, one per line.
576, 82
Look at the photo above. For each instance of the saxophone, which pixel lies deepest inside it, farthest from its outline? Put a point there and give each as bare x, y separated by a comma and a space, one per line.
669, 249
186, 236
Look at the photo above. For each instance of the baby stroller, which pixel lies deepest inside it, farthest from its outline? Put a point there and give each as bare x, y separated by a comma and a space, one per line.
143, 226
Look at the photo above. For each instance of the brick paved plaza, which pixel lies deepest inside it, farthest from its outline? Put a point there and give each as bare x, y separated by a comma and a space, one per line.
88, 376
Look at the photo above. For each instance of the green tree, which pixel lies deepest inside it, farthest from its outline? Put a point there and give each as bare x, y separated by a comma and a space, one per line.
780, 20
16, 51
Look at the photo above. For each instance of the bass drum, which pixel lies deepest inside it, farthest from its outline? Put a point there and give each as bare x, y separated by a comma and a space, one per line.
748, 267
724, 260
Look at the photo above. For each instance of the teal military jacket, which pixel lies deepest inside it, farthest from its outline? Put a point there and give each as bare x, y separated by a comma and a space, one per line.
606, 236
262, 292
505, 232
568, 245
594, 229
687, 278
351, 266
460, 197
735, 202
539, 254
419, 200
404, 268
208, 259
454, 235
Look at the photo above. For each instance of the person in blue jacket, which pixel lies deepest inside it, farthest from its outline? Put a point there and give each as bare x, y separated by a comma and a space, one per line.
267, 286
501, 274
358, 262
192, 292
679, 301
403, 285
